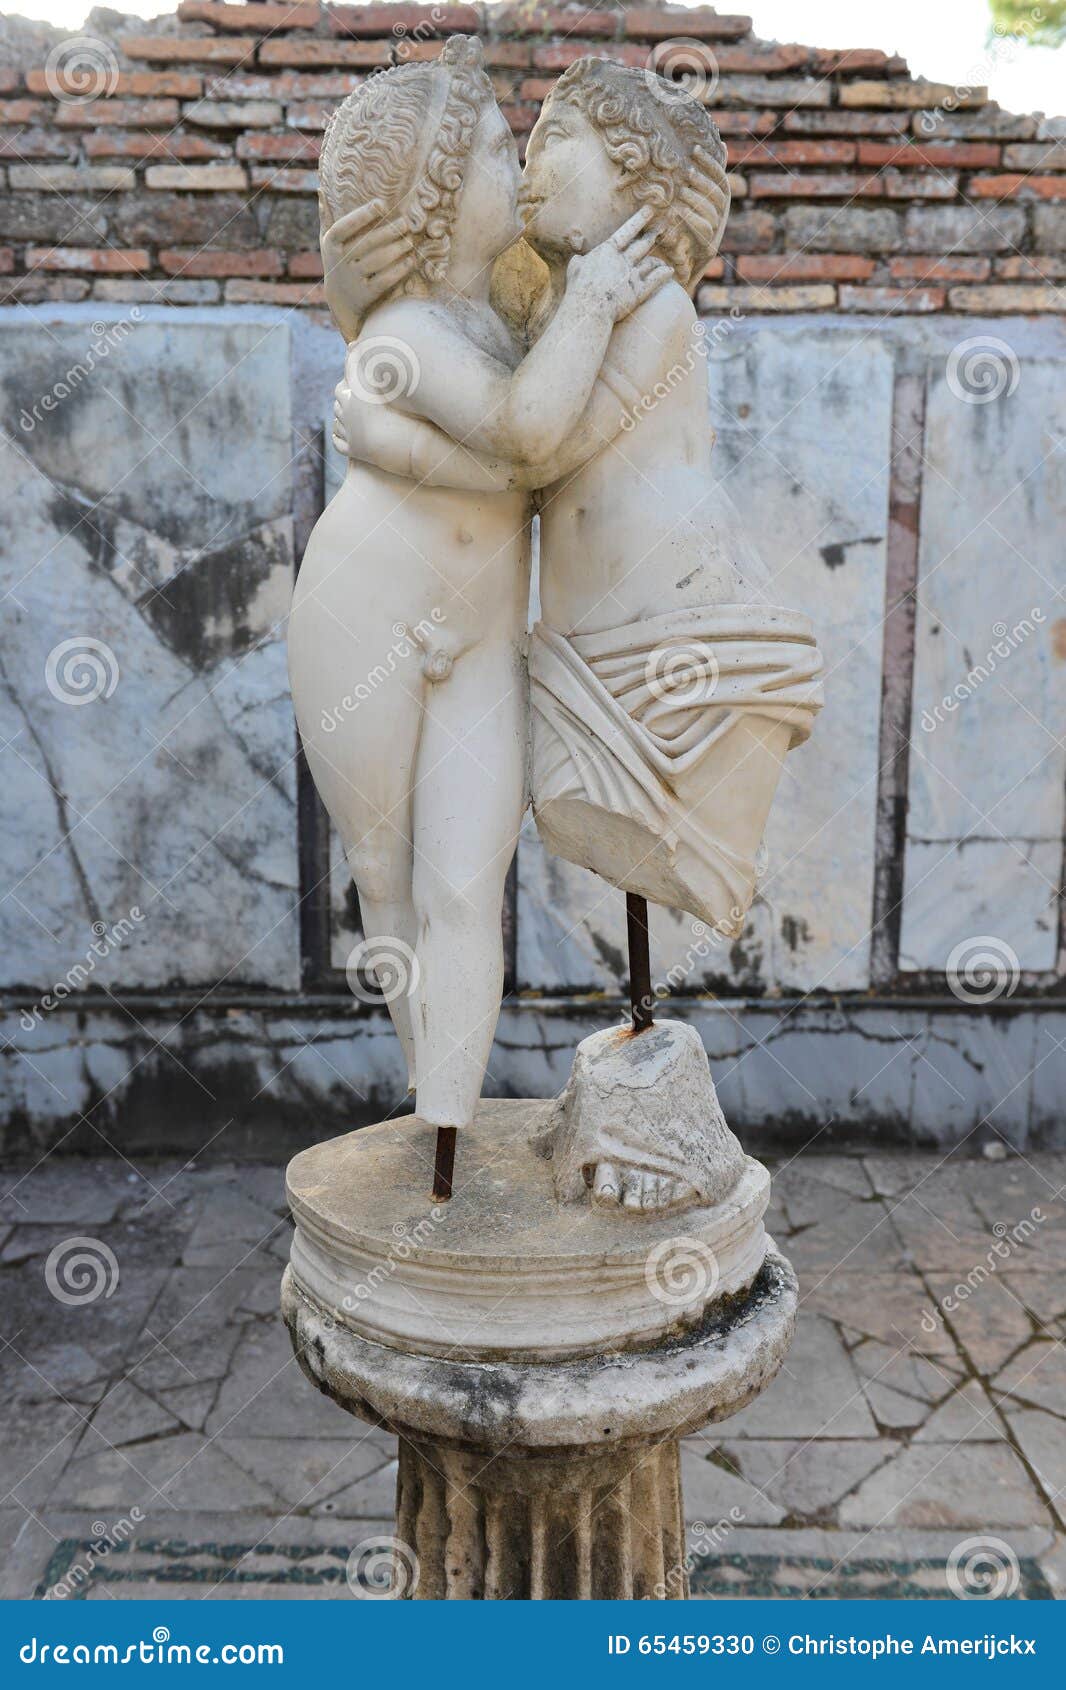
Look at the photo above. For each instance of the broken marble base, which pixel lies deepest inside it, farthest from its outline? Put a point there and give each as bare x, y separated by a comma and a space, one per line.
538, 1360
557, 1480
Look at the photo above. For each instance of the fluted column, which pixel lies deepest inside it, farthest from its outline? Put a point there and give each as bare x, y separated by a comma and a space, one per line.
558, 1525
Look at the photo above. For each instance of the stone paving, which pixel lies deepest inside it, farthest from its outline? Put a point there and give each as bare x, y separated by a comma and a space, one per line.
159, 1439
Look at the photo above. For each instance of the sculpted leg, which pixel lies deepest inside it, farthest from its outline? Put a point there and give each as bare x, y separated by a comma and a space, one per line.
381, 865
467, 814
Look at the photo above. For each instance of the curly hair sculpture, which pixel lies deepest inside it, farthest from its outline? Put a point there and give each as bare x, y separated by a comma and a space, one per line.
375, 140
666, 142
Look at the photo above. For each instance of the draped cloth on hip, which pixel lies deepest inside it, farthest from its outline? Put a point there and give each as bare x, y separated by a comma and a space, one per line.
633, 726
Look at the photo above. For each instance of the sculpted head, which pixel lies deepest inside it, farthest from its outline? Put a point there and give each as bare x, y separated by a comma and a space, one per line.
611, 139
430, 143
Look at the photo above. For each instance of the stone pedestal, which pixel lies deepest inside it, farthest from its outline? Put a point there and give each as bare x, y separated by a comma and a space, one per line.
538, 1361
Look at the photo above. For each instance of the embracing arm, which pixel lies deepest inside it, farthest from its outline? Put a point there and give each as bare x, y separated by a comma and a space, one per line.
645, 349
524, 414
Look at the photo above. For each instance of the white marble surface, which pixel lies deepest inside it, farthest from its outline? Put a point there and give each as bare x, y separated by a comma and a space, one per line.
149, 512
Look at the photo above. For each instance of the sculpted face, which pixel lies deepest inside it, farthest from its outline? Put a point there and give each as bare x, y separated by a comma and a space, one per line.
573, 195
487, 220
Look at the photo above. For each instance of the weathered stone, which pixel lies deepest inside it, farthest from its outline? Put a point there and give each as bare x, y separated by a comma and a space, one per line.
932, 1485
174, 575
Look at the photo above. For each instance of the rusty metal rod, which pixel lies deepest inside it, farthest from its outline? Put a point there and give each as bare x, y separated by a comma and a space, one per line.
444, 1164
640, 994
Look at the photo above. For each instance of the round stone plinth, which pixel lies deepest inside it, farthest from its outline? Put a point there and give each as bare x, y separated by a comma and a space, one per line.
557, 1479
629, 1397
504, 1270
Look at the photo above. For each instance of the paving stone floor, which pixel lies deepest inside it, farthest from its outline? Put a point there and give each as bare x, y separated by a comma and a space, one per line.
159, 1439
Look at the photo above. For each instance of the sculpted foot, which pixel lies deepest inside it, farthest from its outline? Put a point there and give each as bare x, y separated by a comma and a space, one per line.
631, 1188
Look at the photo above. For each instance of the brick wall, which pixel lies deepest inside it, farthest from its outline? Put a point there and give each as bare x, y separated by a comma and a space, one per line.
189, 177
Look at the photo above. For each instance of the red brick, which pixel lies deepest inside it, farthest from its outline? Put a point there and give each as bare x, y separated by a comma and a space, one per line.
657, 23
205, 49
24, 111
1021, 297
309, 114
715, 270
275, 293
920, 185
792, 152
909, 95
815, 187
836, 122
891, 299
360, 54
307, 265
37, 287
806, 267
763, 61
102, 261
37, 143
178, 85
7, 260
292, 145
290, 85
817, 297
509, 55
830, 61
536, 87
1034, 269
192, 261
126, 114
253, 15
753, 123
8, 80
559, 55
749, 231
1010, 186
526, 19
123, 143
933, 269
385, 20
931, 156
285, 181
196, 178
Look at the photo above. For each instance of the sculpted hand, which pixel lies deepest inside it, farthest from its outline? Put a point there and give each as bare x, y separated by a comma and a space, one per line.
621, 272
364, 256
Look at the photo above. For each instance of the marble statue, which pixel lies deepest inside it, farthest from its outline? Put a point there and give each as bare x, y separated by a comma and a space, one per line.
601, 1279
425, 782
666, 686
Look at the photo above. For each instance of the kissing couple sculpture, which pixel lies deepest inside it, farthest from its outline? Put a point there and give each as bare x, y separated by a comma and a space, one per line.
648, 712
